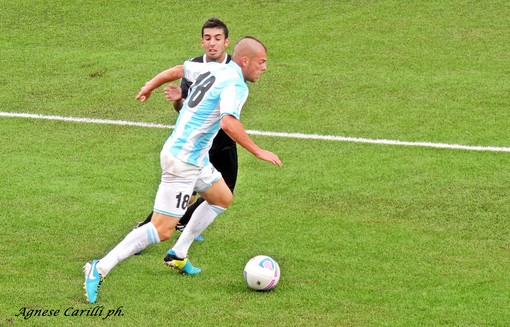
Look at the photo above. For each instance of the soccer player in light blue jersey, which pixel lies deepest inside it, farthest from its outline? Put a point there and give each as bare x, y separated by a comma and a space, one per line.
215, 102
223, 153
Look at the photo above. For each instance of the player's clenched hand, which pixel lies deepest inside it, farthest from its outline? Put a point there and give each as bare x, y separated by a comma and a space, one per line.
173, 92
144, 94
269, 157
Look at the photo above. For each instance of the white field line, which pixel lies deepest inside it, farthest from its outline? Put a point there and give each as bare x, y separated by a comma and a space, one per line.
272, 134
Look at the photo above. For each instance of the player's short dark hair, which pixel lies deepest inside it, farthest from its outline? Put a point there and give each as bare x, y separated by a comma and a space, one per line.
214, 22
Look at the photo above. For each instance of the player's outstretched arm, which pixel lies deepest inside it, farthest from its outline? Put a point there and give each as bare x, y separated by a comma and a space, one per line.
166, 76
235, 129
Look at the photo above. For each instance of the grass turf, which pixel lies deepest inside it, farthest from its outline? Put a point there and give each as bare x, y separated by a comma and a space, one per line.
366, 235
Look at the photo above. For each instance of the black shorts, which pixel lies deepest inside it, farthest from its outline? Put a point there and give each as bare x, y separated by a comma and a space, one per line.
225, 161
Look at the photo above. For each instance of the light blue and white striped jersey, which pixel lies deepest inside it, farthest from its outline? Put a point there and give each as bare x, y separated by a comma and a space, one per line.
218, 90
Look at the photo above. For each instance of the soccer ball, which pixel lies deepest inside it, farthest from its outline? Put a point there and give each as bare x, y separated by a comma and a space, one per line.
262, 273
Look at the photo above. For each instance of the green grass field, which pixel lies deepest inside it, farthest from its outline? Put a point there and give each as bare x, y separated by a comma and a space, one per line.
365, 234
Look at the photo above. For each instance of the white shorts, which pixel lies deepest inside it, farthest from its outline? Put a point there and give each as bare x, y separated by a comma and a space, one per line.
178, 181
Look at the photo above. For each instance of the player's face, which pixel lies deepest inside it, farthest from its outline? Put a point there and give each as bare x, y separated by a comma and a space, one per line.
215, 44
257, 64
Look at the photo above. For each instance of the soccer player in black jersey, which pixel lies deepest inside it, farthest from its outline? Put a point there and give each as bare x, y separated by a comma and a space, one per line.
223, 153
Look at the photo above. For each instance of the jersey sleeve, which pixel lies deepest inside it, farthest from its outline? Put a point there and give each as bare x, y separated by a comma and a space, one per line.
232, 100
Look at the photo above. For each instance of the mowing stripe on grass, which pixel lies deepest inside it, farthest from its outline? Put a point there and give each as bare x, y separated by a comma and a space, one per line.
272, 134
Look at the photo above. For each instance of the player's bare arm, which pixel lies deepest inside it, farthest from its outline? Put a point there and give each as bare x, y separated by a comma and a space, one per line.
166, 76
235, 129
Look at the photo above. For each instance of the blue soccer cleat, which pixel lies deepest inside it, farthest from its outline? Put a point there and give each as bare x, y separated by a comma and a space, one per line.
93, 280
184, 266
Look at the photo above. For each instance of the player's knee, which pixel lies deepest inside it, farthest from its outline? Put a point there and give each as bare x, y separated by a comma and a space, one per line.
165, 225
229, 200
221, 197
165, 234
225, 201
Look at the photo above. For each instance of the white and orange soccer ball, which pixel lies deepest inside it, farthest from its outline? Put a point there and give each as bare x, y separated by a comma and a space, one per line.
262, 273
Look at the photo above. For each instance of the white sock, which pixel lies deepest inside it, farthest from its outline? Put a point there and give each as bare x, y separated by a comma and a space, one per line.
203, 216
134, 242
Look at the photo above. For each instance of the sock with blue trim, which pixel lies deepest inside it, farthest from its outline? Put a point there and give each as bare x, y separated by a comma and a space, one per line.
203, 216
134, 242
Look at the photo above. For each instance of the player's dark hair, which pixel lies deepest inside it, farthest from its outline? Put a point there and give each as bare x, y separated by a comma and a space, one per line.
214, 22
